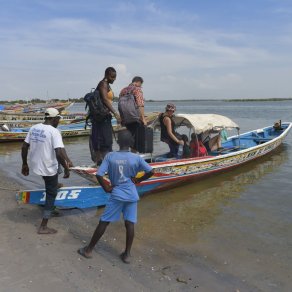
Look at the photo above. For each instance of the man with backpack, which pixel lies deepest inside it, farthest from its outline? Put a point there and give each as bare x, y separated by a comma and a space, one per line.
131, 107
100, 114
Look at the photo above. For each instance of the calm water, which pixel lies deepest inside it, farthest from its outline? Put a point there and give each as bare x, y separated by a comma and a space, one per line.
240, 219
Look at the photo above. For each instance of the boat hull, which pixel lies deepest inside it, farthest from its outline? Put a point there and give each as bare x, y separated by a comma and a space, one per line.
169, 174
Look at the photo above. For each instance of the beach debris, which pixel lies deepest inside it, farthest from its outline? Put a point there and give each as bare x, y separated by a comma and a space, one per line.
165, 269
181, 280
165, 277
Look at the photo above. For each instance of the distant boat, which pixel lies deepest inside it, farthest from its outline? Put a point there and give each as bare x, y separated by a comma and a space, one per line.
19, 134
36, 117
171, 172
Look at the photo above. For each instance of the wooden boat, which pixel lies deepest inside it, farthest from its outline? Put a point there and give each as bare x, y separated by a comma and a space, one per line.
37, 117
237, 150
70, 130
35, 108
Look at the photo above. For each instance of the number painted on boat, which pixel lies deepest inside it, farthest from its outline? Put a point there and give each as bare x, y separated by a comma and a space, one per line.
64, 195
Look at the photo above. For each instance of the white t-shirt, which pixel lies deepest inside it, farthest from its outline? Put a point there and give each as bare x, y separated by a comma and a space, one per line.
43, 140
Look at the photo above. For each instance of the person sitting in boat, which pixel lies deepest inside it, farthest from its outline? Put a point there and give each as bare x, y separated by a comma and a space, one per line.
197, 146
277, 126
212, 140
186, 148
168, 134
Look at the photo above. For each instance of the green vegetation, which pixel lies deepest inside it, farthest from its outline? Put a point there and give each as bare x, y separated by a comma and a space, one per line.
257, 99
115, 99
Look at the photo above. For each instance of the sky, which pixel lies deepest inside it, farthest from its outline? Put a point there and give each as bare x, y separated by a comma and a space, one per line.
193, 49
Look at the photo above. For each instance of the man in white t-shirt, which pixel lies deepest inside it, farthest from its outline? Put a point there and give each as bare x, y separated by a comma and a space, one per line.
46, 153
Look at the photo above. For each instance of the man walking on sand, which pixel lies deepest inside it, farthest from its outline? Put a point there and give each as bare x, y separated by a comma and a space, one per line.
122, 167
46, 153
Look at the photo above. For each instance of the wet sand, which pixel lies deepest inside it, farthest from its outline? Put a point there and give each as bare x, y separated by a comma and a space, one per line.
32, 262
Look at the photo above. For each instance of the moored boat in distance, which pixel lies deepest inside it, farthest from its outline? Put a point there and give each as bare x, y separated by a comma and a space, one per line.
19, 134
169, 172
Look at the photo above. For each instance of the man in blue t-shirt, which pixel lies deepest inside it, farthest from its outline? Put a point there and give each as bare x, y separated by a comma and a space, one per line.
122, 167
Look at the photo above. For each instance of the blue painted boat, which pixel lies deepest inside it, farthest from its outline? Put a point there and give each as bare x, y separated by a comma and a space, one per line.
236, 150
69, 130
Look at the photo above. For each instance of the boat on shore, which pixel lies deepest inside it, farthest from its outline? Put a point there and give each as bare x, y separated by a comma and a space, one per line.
67, 131
37, 117
30, 108
170, 172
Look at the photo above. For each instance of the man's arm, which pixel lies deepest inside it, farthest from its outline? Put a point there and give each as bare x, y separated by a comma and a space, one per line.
167, 123
61, 156
142, 115
69, 162
24, 152
107, 188
144, 177
103, 90
139, 99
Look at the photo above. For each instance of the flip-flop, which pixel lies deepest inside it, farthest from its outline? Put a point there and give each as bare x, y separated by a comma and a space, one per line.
81, 251
124, 258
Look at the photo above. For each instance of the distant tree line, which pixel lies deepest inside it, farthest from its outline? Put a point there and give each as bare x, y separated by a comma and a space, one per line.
115, 99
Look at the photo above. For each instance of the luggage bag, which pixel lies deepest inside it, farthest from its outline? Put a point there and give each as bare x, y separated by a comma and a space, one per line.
144, 139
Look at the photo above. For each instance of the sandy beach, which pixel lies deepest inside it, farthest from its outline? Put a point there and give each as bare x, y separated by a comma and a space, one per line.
32, 262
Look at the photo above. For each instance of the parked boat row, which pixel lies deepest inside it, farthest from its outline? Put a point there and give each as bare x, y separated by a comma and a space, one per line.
13, 131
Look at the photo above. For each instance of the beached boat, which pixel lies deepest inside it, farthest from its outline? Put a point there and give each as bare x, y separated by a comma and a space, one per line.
37, 117
19, 134
236, 150
35, 108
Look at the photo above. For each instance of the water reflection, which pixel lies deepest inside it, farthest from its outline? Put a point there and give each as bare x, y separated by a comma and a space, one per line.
179, 213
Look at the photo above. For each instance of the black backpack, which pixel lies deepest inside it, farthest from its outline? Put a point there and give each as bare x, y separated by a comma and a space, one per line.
97, 111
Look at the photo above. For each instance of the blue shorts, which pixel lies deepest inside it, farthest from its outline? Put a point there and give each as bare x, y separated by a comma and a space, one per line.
114, 208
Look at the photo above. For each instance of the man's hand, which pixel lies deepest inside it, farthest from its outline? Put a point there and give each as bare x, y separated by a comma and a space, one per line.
108, 188
181, 142
118, 118
66, 173
135, 180
25, 170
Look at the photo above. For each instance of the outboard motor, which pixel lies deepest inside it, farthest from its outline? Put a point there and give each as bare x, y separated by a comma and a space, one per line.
5, 128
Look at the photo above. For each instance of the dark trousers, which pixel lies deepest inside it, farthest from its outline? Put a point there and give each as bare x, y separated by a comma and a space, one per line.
51, 186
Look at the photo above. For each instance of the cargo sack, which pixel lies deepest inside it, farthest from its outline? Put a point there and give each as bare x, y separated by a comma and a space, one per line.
144, 139
128, 109
97, 111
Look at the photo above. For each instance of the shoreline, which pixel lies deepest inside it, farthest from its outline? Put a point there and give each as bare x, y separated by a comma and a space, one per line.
30, 261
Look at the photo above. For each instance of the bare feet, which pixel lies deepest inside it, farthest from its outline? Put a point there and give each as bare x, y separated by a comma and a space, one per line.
125, 258
82, 251
46, 230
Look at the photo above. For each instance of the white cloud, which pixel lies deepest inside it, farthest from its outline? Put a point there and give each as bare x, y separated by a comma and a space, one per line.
68, 55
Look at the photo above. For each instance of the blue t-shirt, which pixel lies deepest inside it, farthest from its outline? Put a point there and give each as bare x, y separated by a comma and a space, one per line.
121, 166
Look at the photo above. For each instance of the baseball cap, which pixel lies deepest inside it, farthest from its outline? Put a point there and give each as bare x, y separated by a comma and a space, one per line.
170, 107
52, 113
